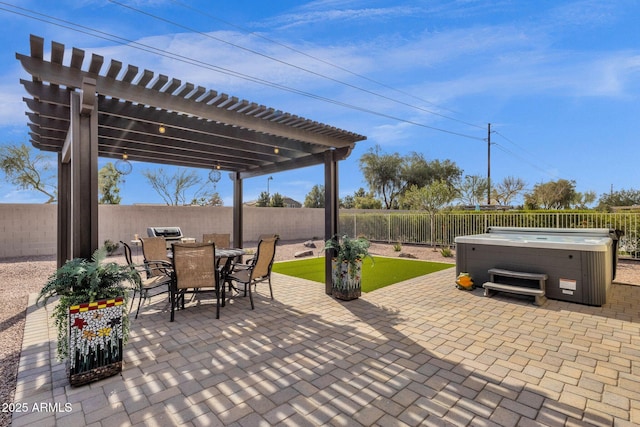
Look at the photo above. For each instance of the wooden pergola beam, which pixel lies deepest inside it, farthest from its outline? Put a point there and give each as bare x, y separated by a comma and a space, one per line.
81, 114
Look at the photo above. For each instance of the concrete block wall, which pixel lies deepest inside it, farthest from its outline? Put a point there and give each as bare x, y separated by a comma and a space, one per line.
121, 222
27, 229
289, 223
30, 229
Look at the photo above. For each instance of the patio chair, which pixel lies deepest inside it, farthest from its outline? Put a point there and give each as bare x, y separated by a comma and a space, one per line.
222, 240
194, 271
258, 271
160, 277
252, 259
154, 249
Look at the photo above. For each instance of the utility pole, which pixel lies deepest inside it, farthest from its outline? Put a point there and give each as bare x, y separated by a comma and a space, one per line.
488, 163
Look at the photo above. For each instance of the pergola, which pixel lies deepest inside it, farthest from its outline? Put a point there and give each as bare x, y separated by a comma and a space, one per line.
85, 111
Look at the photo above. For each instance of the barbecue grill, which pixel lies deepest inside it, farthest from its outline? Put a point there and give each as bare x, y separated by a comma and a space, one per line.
170, 234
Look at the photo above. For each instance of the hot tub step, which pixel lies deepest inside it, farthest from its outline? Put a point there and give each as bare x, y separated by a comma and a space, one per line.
539, 279
517, 274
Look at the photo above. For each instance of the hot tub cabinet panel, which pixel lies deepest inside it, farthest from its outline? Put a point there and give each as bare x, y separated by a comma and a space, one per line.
579, 268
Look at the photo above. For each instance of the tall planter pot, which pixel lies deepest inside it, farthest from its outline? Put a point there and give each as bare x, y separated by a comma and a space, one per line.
95, 339
346, 279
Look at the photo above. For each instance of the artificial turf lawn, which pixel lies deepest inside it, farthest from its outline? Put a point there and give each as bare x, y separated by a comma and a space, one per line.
380, 272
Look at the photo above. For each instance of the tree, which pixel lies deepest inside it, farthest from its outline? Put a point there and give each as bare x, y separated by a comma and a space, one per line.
277, 201
315, 197
472, 189
212, 199
629, 197
415, 171
507, 190
418, 171
263, 200
552, 195
444, 170
108, 180
430, 198
582, 200
348, 202
361, 200
28, 172
382, 173
173, 188
389, 175
367, 201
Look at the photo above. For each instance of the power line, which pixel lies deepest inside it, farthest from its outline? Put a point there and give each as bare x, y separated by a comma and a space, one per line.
297, 67
524, 160
331, 64
181, 58
529, 153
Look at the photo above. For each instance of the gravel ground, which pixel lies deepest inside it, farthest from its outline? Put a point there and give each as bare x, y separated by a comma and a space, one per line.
21, 276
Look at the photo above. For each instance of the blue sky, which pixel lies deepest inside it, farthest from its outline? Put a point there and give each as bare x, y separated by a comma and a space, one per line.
559, 81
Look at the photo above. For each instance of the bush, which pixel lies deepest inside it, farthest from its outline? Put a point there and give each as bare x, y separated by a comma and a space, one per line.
446, 252
111, 247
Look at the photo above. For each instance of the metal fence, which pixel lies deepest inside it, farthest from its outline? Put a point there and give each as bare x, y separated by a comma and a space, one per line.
442, 228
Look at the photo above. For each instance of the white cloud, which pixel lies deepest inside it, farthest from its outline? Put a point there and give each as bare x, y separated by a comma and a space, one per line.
330, 12
20, 196
391, 135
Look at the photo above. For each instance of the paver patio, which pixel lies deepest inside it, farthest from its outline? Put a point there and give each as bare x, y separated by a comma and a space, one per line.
419, 352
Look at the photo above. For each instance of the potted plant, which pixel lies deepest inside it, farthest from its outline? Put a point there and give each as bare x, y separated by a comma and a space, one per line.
346, 265
90, 317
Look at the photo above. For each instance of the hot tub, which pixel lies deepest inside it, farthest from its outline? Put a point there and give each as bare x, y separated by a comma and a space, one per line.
579, 263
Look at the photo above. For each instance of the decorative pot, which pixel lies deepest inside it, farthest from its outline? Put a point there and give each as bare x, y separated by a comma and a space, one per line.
95, 340
346, 279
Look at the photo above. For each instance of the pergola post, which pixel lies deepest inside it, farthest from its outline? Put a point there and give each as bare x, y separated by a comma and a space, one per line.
83, 182
64, 210
237, 210
331, 210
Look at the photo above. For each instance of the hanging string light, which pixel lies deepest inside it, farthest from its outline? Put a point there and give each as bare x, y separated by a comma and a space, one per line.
123, 166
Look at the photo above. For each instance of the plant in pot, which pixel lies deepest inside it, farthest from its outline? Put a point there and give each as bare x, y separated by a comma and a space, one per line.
90, 316
346, 265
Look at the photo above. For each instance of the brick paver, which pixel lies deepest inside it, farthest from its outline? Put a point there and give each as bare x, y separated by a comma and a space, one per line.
419, 352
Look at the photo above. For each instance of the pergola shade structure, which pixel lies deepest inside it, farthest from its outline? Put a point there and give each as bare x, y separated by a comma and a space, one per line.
85, 111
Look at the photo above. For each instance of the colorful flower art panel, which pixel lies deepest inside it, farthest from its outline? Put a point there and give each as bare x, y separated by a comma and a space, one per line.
95, 333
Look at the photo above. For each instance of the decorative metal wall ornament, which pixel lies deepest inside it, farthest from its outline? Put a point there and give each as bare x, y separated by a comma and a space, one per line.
124, 166
214, 176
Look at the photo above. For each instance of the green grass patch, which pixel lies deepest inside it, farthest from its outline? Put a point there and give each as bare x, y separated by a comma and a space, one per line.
380, 272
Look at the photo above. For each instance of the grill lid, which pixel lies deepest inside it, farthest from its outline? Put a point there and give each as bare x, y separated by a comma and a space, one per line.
166, 232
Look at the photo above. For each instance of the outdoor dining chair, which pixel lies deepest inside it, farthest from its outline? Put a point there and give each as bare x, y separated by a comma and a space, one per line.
252, 259
157, 275
194, 271
221, 240
154, 249
259, 270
